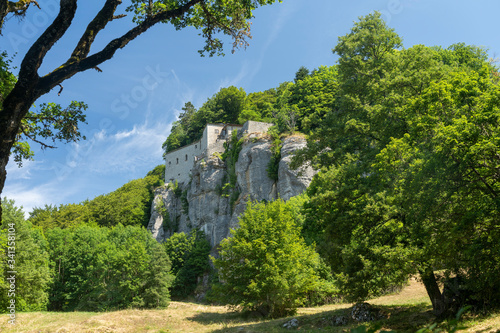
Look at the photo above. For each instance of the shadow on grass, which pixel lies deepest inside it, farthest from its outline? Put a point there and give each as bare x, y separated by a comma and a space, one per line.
208, 318
401, 318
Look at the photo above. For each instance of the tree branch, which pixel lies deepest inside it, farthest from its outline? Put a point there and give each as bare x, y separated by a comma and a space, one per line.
34, 57
66, 71
18, 8
43, 144
105, 15
4, 10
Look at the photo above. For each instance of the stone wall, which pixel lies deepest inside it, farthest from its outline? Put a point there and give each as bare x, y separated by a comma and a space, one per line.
179, 162
214, 213
255, 127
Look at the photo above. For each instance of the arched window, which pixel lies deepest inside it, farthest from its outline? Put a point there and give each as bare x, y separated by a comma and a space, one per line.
186, 157
177, 160
169, 163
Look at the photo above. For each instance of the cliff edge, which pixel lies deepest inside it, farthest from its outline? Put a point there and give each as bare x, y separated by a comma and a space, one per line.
208, 202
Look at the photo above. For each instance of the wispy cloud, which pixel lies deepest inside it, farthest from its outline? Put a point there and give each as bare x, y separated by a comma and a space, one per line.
88, 166
30, 197
250, 69
121, 152
25, 172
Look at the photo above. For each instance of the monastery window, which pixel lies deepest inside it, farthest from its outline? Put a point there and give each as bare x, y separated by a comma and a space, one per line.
186, 157
195, 146
177, 160
169, 163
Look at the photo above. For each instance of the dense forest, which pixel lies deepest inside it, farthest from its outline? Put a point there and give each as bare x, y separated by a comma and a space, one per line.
407, 142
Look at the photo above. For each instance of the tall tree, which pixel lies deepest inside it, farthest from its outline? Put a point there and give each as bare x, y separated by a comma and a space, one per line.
24, 251
301, 74
107, 268
266, 265
212, 17
403, 177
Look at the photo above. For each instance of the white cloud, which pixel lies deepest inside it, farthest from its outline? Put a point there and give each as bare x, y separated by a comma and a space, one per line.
31, 197
122, 156
25, 172
122, 152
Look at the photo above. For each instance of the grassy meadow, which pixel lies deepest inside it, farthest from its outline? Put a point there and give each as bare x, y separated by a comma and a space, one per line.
406, 311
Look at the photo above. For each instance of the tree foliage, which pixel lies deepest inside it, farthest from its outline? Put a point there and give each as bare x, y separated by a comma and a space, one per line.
96, 269
407, 152
298, 106
49, 122
189, 256
29, 260
266, 266
128, 205
223, 107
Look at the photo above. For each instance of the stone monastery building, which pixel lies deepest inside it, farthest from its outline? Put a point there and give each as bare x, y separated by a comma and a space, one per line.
179, 162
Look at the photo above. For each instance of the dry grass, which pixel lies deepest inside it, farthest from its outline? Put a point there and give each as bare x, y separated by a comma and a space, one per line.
406, 311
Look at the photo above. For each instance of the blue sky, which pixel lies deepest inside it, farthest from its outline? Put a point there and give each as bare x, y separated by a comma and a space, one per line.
140, 92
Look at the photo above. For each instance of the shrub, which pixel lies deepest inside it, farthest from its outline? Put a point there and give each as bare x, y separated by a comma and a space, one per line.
101, 269
189, 255
266, 265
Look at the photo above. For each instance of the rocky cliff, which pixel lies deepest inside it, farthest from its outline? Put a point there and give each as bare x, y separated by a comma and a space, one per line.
208, 202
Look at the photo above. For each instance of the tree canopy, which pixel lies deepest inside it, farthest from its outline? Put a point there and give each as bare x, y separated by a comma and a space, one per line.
128, 205
97, 269
29, 261
266, 265
408, 154
291, 106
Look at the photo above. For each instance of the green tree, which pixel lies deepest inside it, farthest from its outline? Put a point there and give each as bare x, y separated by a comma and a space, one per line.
382, 209
158, 171
128, 205
301, 74
223, 107
107, 268
211, 17
443, 171
265, 265
178, 136
313, 96
189, 255
30, 261
259, 106
228, 103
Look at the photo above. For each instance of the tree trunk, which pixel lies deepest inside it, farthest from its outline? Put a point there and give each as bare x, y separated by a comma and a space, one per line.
15, 107
429, 279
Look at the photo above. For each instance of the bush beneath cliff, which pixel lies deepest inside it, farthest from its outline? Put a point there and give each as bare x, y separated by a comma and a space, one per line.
189, 256
266, 265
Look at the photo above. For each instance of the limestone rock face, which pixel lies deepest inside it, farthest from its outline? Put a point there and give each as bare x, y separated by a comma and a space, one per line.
292, 182
205, 202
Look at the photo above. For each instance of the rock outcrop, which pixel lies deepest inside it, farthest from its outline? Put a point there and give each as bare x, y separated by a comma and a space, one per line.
205, 202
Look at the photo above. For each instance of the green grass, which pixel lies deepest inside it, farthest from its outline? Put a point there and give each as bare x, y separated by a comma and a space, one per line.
406, 311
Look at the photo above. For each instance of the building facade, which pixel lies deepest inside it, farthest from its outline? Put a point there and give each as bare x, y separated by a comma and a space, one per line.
179, 162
